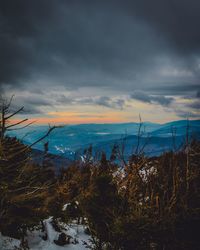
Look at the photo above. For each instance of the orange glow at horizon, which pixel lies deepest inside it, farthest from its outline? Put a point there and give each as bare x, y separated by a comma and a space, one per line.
93, 114
77, 118
67, 120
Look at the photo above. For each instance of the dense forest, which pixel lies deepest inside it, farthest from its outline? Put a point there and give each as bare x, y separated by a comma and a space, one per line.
139, 203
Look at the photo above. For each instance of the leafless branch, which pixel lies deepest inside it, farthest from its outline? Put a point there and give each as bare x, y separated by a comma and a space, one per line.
13, 114
43, 137
15, 124
22, 127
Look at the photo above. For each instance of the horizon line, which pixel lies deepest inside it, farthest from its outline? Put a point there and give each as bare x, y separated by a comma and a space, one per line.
104, 123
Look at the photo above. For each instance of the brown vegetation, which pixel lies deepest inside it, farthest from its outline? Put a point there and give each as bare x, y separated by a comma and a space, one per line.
148, 203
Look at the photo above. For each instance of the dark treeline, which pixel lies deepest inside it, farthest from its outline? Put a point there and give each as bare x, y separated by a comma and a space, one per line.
143, 203
152, 203
149, 203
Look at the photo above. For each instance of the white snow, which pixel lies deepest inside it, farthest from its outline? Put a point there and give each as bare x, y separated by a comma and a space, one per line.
69, 204
35, 241
65, 206
7, 243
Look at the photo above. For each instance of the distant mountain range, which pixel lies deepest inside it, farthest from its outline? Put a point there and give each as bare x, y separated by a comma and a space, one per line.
71, 140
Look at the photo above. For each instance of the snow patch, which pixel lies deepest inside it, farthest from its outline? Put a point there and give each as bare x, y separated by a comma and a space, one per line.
35, 241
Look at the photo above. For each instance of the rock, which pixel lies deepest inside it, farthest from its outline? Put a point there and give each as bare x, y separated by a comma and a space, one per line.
63, 239
75, 241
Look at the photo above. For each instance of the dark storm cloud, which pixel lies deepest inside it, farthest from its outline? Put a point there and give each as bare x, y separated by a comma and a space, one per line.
62, 99
16, 44
33, 104
175, 89
116, 103
158, 99
32, 110
178, 20
108, 102
111, 44
33, 100
195, 105
187, 114
29, 109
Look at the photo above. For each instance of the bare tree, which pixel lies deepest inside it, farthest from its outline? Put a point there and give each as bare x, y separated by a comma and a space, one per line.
6, 114
20, 182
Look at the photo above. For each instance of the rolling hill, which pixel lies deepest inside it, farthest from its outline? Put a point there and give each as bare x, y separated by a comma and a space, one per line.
70, 139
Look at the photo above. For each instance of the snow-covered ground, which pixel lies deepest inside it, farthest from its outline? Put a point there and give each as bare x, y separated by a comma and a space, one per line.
36, 242
7, 243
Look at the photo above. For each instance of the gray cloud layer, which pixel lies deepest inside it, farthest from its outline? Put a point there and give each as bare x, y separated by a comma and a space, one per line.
148, 48
142, 96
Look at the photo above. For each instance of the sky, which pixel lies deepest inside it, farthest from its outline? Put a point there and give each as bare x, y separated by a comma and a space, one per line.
81, 61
